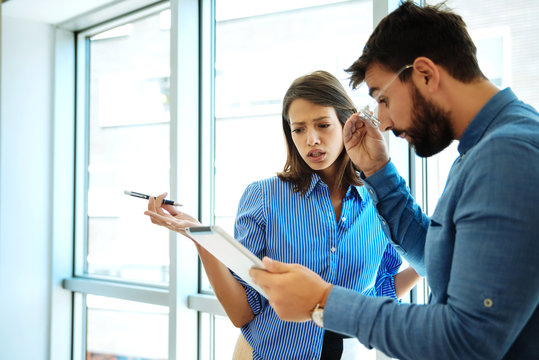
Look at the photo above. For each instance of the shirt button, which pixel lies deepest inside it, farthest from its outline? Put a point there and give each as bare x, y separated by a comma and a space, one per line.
370, 190
344, 219
333, 249
488, 302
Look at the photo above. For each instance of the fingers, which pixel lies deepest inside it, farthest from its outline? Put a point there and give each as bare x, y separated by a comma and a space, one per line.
159, 203
352, 125
171, 209
159, 219
165, 220
264, 277
275, 266
293, 290
354, 131
259, 277
176, 223
154, 204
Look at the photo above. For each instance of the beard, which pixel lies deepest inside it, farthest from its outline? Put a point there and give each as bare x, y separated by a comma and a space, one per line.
431, 130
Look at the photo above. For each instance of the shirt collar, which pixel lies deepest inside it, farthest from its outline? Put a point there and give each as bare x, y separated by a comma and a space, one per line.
486, 116
317, 181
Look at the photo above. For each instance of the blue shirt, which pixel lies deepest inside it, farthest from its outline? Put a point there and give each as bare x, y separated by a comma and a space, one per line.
353, 252
480, 250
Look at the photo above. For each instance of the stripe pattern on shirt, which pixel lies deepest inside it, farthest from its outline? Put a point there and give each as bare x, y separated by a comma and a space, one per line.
351, 251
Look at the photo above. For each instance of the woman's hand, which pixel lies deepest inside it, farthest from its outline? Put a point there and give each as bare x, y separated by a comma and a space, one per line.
365, 145
229, 291
169, 216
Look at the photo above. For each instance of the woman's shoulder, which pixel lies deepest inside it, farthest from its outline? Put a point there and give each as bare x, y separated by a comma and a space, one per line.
270, 187
271, 184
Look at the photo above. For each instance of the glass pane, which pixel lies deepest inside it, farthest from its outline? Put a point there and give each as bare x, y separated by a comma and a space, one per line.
128, 108
504, 34
261, 47
257, 58
125, 330
226, 336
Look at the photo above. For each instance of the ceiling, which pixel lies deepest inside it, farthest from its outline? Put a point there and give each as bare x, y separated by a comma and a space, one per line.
51, 11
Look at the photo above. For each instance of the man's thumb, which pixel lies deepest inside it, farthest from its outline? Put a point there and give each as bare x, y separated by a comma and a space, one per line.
273, 266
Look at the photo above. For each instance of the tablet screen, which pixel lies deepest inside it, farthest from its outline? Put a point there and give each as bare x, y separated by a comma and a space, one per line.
228, 250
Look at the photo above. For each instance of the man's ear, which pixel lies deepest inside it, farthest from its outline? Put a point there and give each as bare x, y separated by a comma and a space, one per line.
426, 74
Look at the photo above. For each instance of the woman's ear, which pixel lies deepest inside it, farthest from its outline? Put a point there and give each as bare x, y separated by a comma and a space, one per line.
426, 74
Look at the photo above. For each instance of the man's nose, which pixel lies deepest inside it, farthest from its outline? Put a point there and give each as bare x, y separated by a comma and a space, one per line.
385, 120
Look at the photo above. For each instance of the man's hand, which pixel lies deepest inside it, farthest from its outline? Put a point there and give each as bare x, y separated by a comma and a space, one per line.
365, 145
293, 289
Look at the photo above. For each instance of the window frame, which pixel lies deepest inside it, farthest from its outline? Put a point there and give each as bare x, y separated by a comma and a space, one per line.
183, 105
192, 60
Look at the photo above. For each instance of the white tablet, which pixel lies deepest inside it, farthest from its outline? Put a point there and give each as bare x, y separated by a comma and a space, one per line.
228, 250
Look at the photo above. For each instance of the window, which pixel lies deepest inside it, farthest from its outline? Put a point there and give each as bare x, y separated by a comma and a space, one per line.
260, 48
142, 80
125, 267
128, 148
500, 31
125, 329
259, 52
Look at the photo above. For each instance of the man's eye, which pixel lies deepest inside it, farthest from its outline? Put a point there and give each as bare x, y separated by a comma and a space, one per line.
382, 101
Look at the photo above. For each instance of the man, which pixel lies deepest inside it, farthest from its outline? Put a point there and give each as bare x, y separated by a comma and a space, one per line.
479, 250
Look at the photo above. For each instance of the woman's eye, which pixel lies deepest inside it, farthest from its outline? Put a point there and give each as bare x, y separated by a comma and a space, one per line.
325, 125
296, 131
382, 101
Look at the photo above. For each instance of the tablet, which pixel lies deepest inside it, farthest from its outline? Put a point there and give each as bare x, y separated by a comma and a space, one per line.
228, 250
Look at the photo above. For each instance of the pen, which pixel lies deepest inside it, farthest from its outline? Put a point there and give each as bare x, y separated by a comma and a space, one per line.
144, 196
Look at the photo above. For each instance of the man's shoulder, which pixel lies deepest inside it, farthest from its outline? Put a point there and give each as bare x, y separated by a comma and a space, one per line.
518, 134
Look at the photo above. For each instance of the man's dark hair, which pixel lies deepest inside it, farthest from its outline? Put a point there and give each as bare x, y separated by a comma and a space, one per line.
412, 31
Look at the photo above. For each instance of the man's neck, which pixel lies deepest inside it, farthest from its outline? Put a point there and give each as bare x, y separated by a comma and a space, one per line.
466, 100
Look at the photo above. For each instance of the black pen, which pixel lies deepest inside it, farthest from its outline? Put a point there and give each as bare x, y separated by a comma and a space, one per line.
144, 196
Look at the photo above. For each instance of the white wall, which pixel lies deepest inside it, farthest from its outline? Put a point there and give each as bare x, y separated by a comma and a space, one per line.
26, 107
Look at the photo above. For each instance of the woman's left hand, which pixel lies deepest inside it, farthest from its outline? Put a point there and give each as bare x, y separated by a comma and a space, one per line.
169, 216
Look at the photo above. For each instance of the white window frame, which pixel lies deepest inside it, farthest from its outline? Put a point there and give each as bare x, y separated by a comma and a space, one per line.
184, 140
192, 135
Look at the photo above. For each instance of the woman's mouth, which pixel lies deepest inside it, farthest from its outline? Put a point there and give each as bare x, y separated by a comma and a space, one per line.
316, 155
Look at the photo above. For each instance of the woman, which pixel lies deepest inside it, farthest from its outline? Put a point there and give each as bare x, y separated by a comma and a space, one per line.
315, 213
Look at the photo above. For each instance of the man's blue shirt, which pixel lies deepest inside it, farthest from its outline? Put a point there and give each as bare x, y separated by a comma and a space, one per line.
479, 250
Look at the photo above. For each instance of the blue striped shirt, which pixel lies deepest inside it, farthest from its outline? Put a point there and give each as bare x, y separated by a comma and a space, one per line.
352, 252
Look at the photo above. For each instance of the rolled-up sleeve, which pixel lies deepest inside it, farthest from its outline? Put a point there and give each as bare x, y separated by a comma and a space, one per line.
250, 230
389, 266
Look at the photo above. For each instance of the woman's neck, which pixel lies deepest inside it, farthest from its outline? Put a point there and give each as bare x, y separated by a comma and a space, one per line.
336, 193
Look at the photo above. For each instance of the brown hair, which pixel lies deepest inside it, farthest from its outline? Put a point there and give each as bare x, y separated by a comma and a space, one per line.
321, 88
412, 31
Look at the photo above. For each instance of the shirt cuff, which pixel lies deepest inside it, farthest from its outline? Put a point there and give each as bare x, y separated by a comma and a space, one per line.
351, 313
253, 297
385, 181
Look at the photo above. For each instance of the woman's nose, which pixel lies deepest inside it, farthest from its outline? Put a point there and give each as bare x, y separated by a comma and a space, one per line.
312, 138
